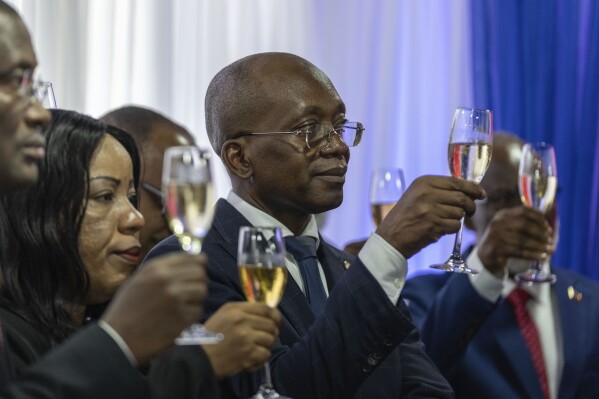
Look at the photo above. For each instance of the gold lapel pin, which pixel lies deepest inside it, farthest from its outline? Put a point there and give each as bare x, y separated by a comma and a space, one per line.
346, 264
574, 295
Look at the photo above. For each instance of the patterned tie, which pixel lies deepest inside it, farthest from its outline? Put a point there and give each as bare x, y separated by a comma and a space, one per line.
303, 250
518, 298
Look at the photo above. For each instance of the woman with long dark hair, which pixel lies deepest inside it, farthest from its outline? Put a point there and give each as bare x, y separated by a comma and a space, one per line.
45, 280
69, 242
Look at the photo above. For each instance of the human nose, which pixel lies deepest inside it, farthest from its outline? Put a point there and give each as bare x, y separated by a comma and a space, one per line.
335, 146
36, 115
131, 220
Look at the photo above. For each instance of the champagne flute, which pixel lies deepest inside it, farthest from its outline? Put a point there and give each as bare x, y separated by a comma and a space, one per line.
188, 194
469, 154
386, 186
537, 182
263, 275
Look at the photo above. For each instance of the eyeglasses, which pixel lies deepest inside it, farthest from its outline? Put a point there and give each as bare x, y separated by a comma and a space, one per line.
27, 86
156, 194
318, 136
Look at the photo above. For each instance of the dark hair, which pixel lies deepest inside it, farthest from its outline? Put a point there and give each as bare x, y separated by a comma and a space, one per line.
40, 262
139, 122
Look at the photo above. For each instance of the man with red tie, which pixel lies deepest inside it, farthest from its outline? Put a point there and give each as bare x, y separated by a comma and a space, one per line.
492, 338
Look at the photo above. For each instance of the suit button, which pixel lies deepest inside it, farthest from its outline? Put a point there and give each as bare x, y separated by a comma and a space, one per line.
388, 341
367, 368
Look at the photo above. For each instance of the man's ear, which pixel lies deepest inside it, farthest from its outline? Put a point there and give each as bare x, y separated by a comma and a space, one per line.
236, 158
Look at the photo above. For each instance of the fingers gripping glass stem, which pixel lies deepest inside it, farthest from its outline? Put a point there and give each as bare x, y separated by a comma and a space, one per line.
469, 154
537, 183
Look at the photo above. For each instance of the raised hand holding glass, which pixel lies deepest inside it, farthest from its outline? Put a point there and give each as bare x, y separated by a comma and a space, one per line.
469, 154
188, 195
537, 182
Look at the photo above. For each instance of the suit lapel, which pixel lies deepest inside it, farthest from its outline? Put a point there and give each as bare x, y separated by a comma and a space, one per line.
573, 318
227, 221
332, 261
294, 304
513, 347
296, 308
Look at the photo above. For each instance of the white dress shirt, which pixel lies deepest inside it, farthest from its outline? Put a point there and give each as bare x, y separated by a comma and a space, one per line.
542, 308
383, 261
119, 341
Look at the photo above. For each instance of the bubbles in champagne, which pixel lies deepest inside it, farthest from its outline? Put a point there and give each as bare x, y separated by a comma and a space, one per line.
263, 284
469, 161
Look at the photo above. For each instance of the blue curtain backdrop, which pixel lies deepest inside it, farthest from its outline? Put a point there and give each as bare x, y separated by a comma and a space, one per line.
536, 65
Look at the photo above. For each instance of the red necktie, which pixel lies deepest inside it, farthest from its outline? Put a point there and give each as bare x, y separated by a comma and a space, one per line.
518, 299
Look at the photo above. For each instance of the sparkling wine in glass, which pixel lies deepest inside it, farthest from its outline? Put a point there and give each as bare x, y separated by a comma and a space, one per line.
263, 275
537, 182
189, 199
386, 187
468, 154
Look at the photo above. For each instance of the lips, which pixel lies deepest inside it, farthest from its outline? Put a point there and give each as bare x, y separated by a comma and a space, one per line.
338, 171
33, 147
130, 255
335, 175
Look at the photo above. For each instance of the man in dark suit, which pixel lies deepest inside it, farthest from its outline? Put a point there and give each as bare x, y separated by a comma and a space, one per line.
147, 313
470, 325
280, 128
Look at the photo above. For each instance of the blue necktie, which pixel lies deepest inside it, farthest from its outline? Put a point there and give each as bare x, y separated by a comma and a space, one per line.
303, 250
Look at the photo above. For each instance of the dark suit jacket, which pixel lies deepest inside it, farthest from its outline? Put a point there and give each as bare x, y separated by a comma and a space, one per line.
361, 346
91, 365
479, 348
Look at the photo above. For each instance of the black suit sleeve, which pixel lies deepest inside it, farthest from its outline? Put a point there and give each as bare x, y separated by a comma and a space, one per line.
89, 365
183, 372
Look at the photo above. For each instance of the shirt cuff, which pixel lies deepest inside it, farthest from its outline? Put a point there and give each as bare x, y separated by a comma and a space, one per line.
119, 341
485, 283
386, 264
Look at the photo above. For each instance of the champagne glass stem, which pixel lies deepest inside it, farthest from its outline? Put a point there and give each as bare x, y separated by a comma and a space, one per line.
267, 384
457, 245
192, 246
536, 266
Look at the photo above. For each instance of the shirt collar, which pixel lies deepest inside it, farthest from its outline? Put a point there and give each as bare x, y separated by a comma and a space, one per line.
258, 217
539, 292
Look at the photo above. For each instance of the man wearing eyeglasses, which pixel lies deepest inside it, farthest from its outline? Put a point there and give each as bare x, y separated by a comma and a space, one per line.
280, 128
148, 312
471, 324
21, 116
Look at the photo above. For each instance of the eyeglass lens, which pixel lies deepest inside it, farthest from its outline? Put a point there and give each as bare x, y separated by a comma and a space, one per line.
350, 134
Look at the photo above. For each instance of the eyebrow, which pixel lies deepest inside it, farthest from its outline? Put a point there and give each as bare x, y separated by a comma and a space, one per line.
112, 179
314, 109
115, 181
